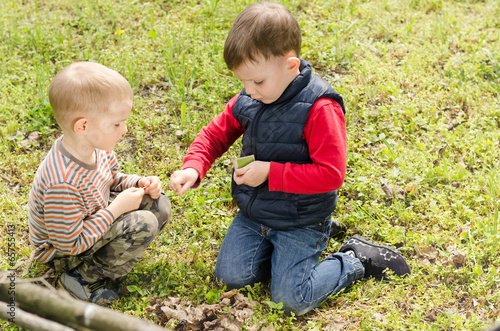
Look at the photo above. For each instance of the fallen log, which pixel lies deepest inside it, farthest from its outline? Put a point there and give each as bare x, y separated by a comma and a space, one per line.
58, 306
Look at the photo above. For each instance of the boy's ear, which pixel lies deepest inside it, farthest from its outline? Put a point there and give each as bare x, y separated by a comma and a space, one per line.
293, 65
80, 126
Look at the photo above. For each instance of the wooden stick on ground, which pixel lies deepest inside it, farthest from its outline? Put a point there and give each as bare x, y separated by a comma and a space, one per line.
60, 307
32, 322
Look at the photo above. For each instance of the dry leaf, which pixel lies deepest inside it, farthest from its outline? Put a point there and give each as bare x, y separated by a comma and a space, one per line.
392, 191
33, 137
428, 252
458, 258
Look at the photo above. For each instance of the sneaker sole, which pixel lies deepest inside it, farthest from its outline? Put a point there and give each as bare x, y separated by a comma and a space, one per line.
61, 285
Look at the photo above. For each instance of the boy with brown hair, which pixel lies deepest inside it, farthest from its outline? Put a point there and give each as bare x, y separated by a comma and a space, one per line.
74, 226
293, 124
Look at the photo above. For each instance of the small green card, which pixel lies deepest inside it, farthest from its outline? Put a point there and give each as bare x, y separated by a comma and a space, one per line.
243, 161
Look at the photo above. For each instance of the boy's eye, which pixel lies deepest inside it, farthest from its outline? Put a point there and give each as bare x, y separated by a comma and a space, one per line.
117, 125
258, 83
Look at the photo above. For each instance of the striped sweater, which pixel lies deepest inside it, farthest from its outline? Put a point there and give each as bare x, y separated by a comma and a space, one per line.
68, 200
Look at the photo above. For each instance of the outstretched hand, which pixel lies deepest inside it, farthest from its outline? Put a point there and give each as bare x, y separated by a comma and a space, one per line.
253, 174
183, 180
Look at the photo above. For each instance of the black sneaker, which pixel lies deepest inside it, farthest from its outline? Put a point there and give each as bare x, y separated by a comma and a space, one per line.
376, 258
79, 288
338, 230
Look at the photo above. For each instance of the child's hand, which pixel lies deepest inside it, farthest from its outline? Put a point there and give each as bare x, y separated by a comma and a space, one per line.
253, 174
151, 185
126, 201
182, 180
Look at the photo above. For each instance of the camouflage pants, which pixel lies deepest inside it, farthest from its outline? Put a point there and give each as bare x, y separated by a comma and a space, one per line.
117, 252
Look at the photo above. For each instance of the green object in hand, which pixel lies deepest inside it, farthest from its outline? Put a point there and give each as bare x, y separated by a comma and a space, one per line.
243, 161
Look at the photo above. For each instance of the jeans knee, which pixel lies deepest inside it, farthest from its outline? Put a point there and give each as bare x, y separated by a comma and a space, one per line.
232, 280
292, 304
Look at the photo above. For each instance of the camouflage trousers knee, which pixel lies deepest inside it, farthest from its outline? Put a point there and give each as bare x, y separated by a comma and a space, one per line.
121, 247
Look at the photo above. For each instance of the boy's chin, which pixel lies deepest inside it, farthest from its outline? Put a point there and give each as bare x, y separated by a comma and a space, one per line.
108, 148
266, 102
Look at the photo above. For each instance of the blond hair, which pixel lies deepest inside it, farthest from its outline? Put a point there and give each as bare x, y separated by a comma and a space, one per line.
84, 88
266, 28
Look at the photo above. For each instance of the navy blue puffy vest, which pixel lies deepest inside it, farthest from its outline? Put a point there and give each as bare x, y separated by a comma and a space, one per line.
273, 132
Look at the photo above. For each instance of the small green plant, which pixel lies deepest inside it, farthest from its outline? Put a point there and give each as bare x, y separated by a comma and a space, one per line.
41, 118
492, 186
212, 296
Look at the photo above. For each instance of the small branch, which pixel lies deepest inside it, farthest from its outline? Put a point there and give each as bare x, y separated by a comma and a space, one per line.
60, 307
30, 321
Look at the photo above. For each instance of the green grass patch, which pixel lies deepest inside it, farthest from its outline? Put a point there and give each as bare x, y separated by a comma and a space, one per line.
420, 79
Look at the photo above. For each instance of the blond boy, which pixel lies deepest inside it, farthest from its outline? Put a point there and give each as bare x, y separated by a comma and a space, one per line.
74, 226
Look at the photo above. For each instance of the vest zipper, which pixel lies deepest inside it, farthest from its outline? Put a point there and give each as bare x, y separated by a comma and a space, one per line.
254, 150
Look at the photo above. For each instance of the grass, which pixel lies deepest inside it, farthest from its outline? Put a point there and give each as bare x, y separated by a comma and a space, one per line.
420, 79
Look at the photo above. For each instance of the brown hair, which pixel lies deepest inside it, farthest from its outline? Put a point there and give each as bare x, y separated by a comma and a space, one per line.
264, 28
86, 87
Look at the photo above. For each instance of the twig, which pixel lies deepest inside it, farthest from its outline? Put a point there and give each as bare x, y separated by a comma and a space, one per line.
60, 307
41, 279
31, 321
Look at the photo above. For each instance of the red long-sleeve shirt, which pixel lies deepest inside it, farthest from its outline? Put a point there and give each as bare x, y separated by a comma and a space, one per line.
324, 133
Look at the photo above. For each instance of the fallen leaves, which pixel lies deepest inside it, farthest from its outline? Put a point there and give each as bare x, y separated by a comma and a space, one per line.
429, 254
26, 141
33, 138
229, 314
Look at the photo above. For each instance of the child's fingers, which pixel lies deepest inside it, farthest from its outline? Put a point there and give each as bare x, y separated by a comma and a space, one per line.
155, 195
238, 179
138, 191
182, 180
156, 185
154, 192
183, 189
144, 182
242, 171
154, 181
174, 185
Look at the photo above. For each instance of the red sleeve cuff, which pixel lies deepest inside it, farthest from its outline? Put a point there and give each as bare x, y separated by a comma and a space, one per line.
276, 171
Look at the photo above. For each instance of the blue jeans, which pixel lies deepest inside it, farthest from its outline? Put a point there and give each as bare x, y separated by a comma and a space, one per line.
251, 253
